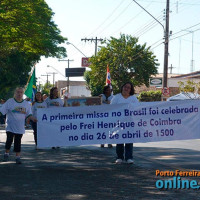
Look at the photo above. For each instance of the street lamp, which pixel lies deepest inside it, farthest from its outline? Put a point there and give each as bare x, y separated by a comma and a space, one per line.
68, 43
166, 42
56, 70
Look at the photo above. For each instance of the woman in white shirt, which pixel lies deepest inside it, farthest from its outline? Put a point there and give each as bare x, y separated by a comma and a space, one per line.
54, 101
106, 99
17, 111
38, 103
126, 96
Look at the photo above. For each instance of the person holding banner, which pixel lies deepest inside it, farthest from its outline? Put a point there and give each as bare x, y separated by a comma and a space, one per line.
126, 96
17, 111
2, 117
54, 101
106, 99
38, 103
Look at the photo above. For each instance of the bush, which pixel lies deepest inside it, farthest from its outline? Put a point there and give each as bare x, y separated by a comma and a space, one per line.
150, 96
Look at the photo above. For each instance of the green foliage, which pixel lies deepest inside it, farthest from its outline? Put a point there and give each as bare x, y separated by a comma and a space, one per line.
96, 89
28, 27
128, 61
150, 96
14, 72
189, 86
27, 32
45, 89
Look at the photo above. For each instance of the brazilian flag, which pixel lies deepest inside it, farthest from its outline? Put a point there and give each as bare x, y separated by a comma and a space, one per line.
31, 88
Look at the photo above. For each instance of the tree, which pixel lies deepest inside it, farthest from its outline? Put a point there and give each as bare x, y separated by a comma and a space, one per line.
27, 32
189, 86
14, 71
28, 27
45, 89
128, 61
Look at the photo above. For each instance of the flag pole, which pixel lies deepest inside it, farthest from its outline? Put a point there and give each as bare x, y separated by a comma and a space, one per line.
29, 77
108, 78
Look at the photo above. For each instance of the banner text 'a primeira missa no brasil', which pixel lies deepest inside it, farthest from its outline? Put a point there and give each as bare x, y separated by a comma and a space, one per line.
120, 123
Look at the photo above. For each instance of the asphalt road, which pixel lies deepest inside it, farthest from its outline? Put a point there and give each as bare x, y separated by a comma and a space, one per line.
89, 172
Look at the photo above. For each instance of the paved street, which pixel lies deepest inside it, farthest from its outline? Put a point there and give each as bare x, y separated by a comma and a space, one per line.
89, 172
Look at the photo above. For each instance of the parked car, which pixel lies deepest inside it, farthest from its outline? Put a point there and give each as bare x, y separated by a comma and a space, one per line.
184, 96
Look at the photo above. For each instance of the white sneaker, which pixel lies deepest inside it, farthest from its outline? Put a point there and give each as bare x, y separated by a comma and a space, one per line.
129, 161
118, 161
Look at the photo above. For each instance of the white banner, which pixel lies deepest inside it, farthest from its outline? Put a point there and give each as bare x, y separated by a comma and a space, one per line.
120, 123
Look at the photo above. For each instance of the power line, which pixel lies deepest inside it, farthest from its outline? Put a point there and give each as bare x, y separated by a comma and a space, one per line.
157, 46
131, 19
186, 29
107, 18
172, 3
184, 34
175, 34
156, 42
166, 40
179, 32
147, 28
116, 18
183, 6
190, 41
149, 13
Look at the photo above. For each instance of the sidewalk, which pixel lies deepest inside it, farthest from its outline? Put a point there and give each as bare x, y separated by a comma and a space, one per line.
89, 173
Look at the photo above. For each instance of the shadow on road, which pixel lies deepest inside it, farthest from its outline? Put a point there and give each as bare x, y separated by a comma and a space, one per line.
82, 173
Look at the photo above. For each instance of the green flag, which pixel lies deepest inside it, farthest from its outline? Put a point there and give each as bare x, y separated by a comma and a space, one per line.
31, 88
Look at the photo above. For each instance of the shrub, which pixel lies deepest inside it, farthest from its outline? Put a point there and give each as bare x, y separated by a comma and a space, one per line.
150, 96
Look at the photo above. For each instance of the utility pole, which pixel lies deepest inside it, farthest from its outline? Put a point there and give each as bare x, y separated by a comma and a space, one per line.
171, 69
192, 61
68, 60
166, 42
54, 73
47, 75
95, 41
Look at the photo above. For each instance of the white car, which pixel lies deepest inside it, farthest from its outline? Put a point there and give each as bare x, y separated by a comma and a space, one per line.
184, 96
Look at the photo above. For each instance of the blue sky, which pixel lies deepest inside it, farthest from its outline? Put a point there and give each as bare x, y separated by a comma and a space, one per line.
78, 19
